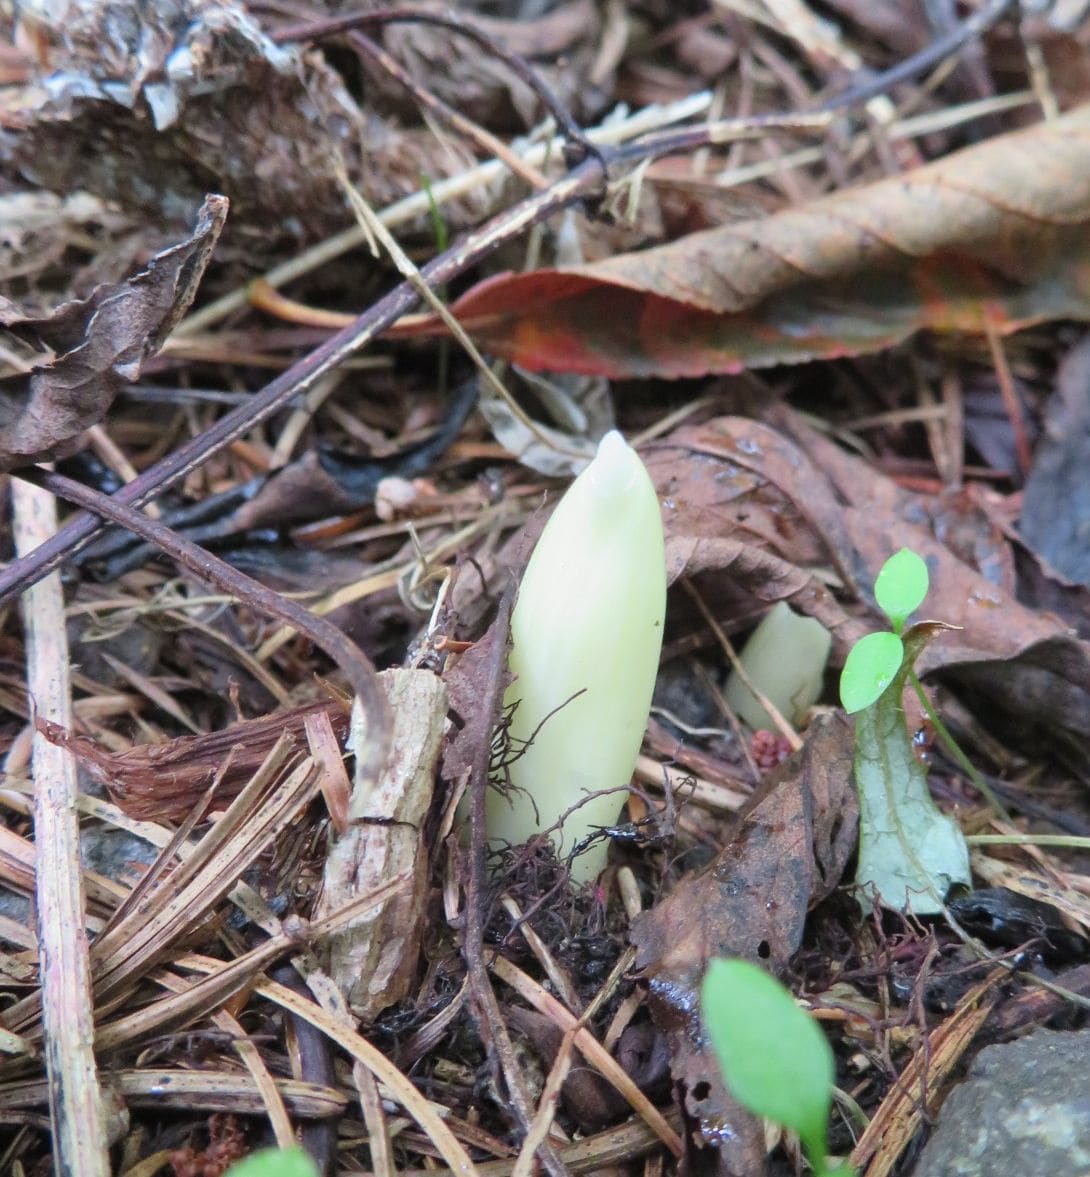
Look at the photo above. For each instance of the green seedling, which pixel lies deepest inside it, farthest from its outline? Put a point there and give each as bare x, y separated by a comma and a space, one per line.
910, 853
275, 1162
774, 1057
875, 660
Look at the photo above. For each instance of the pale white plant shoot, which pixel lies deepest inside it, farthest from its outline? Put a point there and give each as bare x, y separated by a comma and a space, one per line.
586, 634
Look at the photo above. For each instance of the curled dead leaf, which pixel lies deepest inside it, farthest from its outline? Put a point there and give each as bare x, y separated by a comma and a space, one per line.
788, 852
992, 237
87, 349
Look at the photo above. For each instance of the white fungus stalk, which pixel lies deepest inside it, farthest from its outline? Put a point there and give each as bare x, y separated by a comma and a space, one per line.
586, 633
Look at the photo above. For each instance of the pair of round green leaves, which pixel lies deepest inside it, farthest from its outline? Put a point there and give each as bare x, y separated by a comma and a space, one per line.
873, 662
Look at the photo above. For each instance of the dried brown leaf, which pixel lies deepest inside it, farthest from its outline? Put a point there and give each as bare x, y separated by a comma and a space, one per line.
814, 503
1057, 494
563, 44
788, 851
1043, 685
992, 238
88, 348
468, 682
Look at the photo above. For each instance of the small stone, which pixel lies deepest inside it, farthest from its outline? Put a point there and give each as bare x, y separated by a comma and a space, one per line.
1024, 1108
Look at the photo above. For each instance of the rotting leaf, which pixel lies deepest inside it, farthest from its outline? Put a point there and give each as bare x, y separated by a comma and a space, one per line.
910, 853
579, 404
993, 237
87, 349
739, 568
562, 43
792, 843
141, 108
1057, 496
755, 480
789, 851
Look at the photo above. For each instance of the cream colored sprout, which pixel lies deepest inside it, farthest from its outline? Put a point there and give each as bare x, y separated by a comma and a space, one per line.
586, 634
785, 659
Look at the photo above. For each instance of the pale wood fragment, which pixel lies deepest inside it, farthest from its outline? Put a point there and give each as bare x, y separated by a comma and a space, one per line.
372, 961
76, 1108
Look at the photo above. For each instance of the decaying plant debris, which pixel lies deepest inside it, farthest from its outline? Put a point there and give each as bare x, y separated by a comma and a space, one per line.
277, 930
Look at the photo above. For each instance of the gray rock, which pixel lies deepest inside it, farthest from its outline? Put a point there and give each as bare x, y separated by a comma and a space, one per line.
1024, 1109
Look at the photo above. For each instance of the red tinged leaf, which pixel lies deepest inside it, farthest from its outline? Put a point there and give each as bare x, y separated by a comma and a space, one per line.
993, 235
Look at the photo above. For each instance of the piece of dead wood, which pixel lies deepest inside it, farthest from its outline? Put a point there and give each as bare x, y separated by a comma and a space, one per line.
77, 1110
373, 960
163, 782
210, 1090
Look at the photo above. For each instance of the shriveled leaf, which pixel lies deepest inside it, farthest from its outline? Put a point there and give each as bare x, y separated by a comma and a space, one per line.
901, 585
910, 853
869, 668
789, 852
734, 475
87, 349
140, 109
469, 682
562, 45
995, 235
1057, 495
802, 493
543, 448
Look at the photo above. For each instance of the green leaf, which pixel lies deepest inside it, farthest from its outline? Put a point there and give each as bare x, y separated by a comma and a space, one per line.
275, 1162
870, 667
774, 1057
901, 586
910, 853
